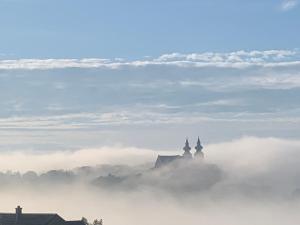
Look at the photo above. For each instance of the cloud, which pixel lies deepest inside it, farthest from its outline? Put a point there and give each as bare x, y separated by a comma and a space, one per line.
151, 116
289, 5
39, 162
242, 158
254, 93
256, 178
238, 59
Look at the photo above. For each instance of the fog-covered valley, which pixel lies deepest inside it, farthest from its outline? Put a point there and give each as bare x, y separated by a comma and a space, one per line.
245, 181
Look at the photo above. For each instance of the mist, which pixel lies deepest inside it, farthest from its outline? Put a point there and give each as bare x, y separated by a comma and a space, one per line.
241, 182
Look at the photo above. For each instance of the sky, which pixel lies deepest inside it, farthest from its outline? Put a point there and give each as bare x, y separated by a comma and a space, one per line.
92, 91
76, 74
138, 28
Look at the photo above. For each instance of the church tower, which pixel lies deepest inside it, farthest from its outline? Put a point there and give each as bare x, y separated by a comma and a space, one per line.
199, 147
187, 150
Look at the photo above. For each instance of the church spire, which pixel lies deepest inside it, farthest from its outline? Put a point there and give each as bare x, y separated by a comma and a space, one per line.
199, 148
187, 154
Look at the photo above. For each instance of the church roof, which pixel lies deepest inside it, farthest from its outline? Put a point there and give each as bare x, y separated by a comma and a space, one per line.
165, 159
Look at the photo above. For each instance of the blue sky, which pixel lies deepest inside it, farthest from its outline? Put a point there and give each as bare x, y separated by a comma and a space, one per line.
138, 28
77, 74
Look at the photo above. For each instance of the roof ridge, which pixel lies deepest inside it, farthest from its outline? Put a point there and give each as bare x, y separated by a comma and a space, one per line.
51, 219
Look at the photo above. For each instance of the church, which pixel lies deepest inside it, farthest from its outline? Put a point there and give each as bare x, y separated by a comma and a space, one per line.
163, 160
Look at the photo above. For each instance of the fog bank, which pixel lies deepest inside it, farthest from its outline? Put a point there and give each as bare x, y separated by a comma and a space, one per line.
243, 182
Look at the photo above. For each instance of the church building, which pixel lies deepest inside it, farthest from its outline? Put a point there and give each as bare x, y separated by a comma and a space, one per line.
163, 160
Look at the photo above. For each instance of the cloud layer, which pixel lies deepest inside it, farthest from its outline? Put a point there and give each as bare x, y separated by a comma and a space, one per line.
252, 177
175, 95
39, 161
238, 59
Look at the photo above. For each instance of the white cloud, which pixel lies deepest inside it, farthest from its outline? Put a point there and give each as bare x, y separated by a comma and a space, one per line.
279, 81
223, 102
261, 178
147, 115
24, 161
238, 59
246, 156
288, 4
175, 89
254, 155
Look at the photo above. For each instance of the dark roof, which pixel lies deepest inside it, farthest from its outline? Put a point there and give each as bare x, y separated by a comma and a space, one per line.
165, 159
74, 222
31, 219
35, 219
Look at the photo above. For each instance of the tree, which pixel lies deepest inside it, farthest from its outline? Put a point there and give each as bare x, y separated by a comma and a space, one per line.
85, 221
98, 222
